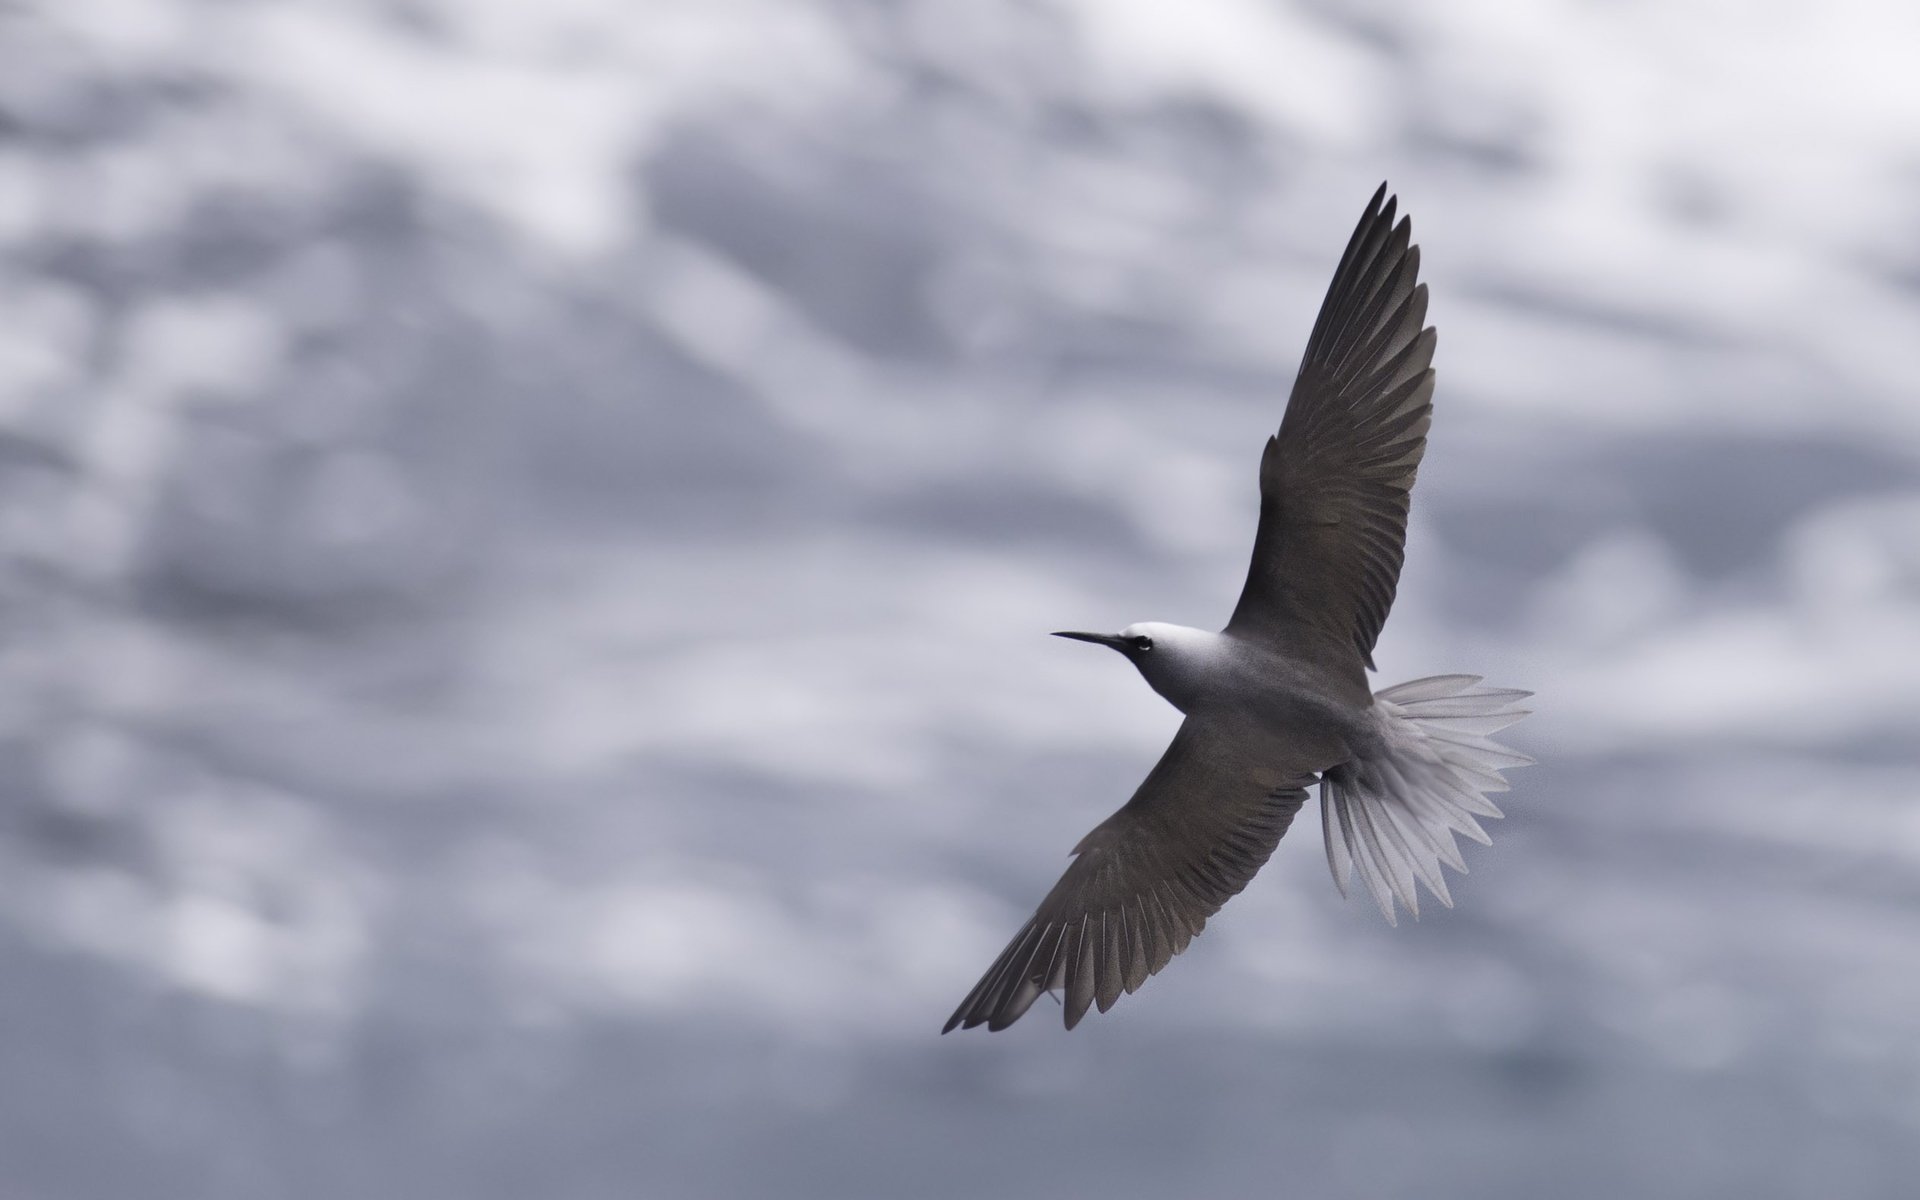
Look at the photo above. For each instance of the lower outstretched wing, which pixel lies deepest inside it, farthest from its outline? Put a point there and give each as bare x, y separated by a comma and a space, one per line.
1144, 882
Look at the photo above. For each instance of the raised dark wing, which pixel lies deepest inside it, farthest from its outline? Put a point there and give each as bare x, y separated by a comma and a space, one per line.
1144, 882
1334, 483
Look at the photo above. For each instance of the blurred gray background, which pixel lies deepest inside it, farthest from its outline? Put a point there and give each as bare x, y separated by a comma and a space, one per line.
527, 530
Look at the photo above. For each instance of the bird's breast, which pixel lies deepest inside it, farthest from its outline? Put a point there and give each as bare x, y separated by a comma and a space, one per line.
1288, 703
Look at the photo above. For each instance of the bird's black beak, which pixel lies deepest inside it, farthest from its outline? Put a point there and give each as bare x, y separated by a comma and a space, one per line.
1111, 641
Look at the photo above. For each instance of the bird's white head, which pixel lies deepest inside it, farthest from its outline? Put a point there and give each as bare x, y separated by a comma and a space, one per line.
1174, 659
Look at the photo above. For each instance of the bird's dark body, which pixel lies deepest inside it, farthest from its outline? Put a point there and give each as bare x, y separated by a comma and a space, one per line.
1279, 699
1303, 718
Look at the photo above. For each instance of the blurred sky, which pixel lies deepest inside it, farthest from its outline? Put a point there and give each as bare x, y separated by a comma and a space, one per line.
526, 531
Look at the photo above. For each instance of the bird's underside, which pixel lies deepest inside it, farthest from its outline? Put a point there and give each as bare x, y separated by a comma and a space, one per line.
1334, 486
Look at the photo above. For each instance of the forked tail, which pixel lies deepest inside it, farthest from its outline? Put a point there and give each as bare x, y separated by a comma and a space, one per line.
1393, 811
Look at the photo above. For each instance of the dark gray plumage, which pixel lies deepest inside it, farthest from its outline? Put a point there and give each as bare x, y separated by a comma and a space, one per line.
1143, 883
1280, 697
1334, 481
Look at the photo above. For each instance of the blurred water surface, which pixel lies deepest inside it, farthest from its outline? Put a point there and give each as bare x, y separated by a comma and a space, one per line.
526, 530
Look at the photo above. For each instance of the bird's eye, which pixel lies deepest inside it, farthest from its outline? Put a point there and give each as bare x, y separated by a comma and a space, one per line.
1141, 643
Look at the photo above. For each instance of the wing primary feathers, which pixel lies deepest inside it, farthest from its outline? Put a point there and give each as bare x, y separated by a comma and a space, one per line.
1140, 952
1360, 333
1080, 971
1347, 263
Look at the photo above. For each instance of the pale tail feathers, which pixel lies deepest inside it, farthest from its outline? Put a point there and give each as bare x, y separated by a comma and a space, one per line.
1393, 815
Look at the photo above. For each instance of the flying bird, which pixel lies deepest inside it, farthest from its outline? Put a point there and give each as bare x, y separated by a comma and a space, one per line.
1279, 699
